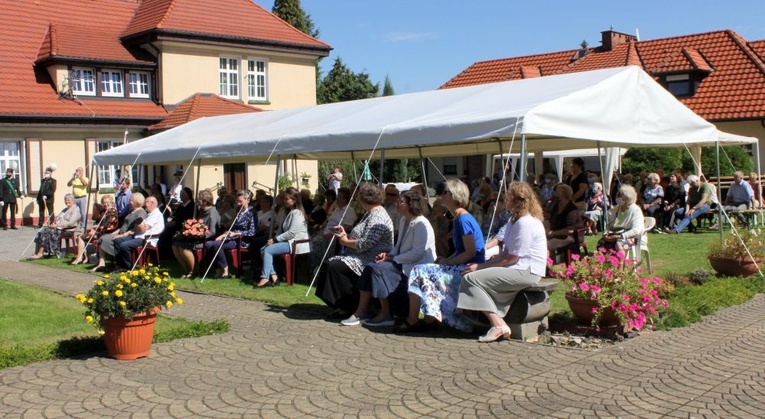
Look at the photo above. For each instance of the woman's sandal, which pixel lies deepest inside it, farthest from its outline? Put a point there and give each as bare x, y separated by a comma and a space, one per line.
262, 284
495, 333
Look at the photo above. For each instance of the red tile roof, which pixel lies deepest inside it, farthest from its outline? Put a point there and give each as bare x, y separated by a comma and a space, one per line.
90, 31
235, 19
733, 88
201, 105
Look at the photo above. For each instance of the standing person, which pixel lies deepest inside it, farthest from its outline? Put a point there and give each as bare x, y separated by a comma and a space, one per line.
174, 193
162, 186
79, 185
10, 191
335, 179
491, 287
391, 203
46, 195
578, 182
122, 199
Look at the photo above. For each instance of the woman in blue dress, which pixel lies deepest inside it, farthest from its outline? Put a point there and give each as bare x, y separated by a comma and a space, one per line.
434, 287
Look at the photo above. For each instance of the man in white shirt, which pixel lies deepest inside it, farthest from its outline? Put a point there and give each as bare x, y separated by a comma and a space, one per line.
174, 194
150, 228
335, 179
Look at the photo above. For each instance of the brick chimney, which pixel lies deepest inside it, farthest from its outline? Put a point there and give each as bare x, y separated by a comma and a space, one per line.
611, 39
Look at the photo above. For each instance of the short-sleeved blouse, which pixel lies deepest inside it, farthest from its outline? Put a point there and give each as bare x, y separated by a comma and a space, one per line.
465, 225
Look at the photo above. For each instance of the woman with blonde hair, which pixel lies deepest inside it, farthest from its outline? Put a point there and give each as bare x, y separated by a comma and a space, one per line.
491, 287
434, 287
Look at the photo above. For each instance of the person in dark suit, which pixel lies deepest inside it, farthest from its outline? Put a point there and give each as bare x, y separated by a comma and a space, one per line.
9, 191
45, 196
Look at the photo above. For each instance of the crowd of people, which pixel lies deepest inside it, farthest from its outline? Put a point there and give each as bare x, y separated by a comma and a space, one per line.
378, 253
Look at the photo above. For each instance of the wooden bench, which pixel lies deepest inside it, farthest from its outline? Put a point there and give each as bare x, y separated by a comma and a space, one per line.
527, 316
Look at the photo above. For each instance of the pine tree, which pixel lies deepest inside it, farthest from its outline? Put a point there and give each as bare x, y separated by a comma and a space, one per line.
388, 87
341, 84
291, 12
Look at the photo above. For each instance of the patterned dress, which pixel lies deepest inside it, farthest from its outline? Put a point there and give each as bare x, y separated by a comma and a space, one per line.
438, 285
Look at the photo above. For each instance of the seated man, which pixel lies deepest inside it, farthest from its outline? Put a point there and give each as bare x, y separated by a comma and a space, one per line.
152, 226
740, 197
697, 204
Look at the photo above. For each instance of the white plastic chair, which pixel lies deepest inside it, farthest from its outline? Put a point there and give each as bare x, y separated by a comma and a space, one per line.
638, 249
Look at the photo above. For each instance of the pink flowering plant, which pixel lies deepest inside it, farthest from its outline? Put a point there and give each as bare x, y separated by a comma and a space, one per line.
609, 278
194, 229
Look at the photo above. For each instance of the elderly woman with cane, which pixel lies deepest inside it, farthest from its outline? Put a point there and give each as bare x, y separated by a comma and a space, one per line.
48, 239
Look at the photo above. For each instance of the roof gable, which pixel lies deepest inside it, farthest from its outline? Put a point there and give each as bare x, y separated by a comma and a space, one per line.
201, 105
733, 86
242, 20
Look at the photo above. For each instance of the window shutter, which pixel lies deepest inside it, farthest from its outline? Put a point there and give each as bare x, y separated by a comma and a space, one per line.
34, 164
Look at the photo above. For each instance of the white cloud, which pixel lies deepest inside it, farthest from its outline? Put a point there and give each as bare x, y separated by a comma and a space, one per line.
408, 36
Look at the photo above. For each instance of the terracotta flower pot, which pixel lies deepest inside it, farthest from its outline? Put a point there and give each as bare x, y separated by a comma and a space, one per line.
743, 267
583, 310
130, 339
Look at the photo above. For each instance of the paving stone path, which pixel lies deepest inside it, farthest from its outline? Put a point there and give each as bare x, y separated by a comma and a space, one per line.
286, 363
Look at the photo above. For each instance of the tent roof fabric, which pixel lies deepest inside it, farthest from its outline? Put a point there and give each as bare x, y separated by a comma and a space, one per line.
618, 107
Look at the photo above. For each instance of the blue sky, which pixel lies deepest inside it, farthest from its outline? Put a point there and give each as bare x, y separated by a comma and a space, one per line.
421, 44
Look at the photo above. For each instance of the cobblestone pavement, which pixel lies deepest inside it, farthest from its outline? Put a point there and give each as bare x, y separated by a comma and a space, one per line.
286, 363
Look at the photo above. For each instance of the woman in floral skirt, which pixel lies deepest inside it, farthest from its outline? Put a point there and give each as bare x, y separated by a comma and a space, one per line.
434, 287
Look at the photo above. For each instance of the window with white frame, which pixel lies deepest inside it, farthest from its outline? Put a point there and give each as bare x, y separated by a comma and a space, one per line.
10, 157
139, 84
107, 175
257, 80
229, 77
111, 83
83, 81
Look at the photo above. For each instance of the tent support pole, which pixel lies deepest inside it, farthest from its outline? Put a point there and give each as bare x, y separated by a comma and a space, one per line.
353, 163
87, 202
522, 175
502, 182
196, 184
382, 165
757, 159
424, 175
276, 192
719, 205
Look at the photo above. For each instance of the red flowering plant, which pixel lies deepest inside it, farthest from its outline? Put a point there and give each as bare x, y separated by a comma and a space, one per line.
194, 229
610, 278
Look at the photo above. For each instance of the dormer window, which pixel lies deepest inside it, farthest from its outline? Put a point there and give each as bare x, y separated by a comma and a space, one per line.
83, 81
111, 83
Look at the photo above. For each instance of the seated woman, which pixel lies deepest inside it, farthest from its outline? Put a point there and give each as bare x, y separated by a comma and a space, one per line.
184, 246
227, 212
491, 287
294, 227
434, 287
48, 239
674, 198
564, 219
132, 220
342, 215
245, 227
416, 244
625, 225
653, 195
426, 208
108, 222
496, 216
596, 205
372, 235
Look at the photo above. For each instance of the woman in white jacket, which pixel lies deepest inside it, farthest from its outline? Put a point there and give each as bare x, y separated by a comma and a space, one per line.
416, 245
293, 228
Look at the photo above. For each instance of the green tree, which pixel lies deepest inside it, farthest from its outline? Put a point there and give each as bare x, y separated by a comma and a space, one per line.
740, 159
388, 87
651, 159
341, 84
291, 12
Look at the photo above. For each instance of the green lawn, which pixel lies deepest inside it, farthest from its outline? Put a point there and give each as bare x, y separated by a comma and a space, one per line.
37, 324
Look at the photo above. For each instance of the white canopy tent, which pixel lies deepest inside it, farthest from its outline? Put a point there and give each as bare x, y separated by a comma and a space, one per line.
618, 107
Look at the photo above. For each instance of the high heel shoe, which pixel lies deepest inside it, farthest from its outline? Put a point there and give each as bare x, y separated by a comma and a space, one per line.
264, 284
274, 281
495, 333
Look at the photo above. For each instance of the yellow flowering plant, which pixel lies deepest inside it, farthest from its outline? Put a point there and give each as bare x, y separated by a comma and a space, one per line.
128, 294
